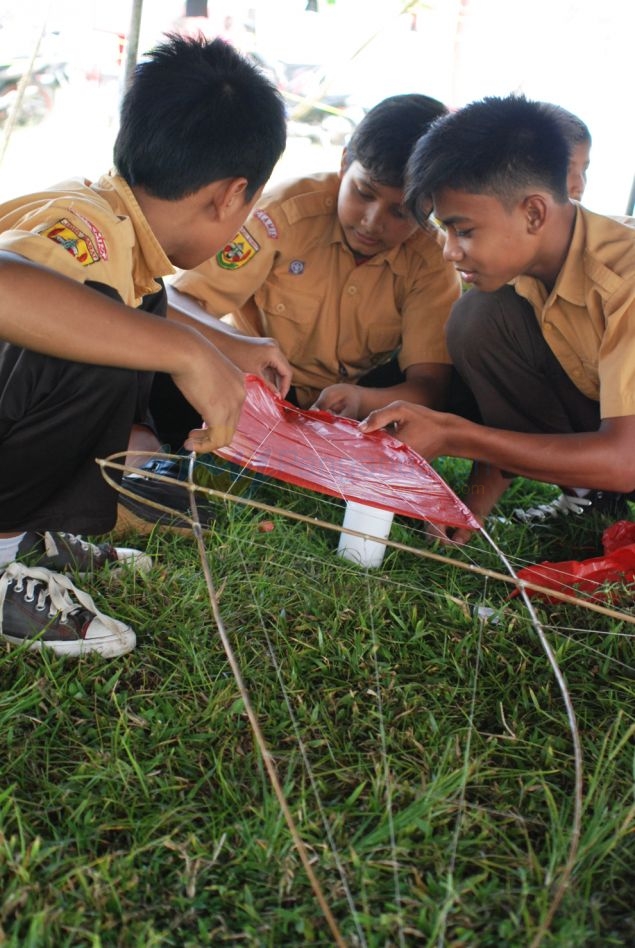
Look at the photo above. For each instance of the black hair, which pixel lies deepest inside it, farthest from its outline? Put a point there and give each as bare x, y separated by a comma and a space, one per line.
198, 111
574, 129
496, 146
384, 138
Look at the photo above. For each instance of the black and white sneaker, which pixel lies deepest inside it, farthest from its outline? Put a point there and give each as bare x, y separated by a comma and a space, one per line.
69, 552
603, 502
44, 609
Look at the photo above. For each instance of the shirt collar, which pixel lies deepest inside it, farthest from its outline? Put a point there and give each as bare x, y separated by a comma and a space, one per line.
150, 260
394, 257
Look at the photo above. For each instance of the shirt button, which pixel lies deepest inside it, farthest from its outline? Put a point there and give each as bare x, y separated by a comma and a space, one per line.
280, 308
351, 290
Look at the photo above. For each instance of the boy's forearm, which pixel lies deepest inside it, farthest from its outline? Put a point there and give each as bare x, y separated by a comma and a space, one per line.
49, 313
430, 392
588, 459
186, 309
182, 309
603, 459
370, 399
425, 384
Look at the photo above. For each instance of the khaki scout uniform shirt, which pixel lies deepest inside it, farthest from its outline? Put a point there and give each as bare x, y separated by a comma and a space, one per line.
333, 320
88, 232
588, 320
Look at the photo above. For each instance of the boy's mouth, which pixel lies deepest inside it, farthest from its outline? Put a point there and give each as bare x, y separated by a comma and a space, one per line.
365, 240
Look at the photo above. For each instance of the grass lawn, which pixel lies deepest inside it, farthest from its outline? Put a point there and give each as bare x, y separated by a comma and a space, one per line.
426, 755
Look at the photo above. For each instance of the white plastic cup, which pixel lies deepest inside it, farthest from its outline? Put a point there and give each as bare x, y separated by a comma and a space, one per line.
369, 520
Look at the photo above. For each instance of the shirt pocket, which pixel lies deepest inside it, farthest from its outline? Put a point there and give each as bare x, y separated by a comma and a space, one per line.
293, 319
383, 341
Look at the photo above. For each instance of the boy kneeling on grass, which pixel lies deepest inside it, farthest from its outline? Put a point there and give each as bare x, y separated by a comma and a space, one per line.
80, 319
545, 337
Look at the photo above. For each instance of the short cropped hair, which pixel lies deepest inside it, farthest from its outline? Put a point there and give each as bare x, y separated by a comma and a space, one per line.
574, 129
198, 111
497, 146
384, 138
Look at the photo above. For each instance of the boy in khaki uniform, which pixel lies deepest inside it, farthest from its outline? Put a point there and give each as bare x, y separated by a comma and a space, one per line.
545, 338
82, 296
335, 268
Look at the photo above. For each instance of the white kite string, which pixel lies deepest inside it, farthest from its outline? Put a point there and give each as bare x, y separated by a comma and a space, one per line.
567, 869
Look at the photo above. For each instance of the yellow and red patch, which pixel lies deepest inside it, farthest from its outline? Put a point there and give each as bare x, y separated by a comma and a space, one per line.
79, 244
239, 251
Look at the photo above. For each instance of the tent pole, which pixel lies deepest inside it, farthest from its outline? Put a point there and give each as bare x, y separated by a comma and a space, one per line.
132, 46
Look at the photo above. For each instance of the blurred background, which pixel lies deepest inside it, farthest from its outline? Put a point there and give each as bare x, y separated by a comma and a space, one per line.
63, 68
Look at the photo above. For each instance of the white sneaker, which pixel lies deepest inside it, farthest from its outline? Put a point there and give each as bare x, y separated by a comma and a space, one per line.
47, 610
596, 501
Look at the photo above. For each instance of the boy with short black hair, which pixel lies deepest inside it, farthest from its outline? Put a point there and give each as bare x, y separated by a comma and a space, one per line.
545, 338
201, 130
578, 138
335, 268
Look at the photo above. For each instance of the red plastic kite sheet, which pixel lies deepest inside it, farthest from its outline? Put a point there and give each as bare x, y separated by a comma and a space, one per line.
591, 576
329, 454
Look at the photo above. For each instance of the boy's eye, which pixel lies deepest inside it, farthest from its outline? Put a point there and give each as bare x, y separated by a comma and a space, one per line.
462, 233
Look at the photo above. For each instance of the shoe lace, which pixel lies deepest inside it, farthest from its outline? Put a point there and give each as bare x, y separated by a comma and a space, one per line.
73, 539
571, 503
563, 505
54, 589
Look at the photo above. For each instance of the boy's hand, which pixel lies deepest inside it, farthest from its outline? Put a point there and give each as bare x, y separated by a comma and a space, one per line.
448, 536
421, 428
216, 388
258, 356
341, 399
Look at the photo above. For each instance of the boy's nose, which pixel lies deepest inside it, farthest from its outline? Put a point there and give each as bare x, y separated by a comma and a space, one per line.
576, 185
451, 248
373, 219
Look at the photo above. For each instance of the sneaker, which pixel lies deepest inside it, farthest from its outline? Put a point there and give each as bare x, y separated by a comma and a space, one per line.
64, 552
602, 502
45, 610
173, 509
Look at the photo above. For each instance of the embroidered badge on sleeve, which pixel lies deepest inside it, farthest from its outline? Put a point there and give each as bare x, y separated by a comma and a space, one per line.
267, 223
79, 244
239, 251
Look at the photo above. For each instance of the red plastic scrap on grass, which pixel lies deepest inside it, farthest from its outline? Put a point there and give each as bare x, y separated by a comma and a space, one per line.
329, 454
617, 565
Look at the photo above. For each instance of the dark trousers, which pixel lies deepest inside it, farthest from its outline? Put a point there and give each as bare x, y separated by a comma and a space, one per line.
499, 352
56, 417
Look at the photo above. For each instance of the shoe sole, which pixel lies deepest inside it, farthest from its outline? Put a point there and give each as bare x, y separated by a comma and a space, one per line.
77, 648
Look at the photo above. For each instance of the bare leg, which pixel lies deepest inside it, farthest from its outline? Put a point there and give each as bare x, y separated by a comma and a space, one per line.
486, 484
142, 438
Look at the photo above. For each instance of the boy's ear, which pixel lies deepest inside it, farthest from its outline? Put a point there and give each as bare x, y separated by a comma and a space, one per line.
535, 209
229, 195
345, 162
